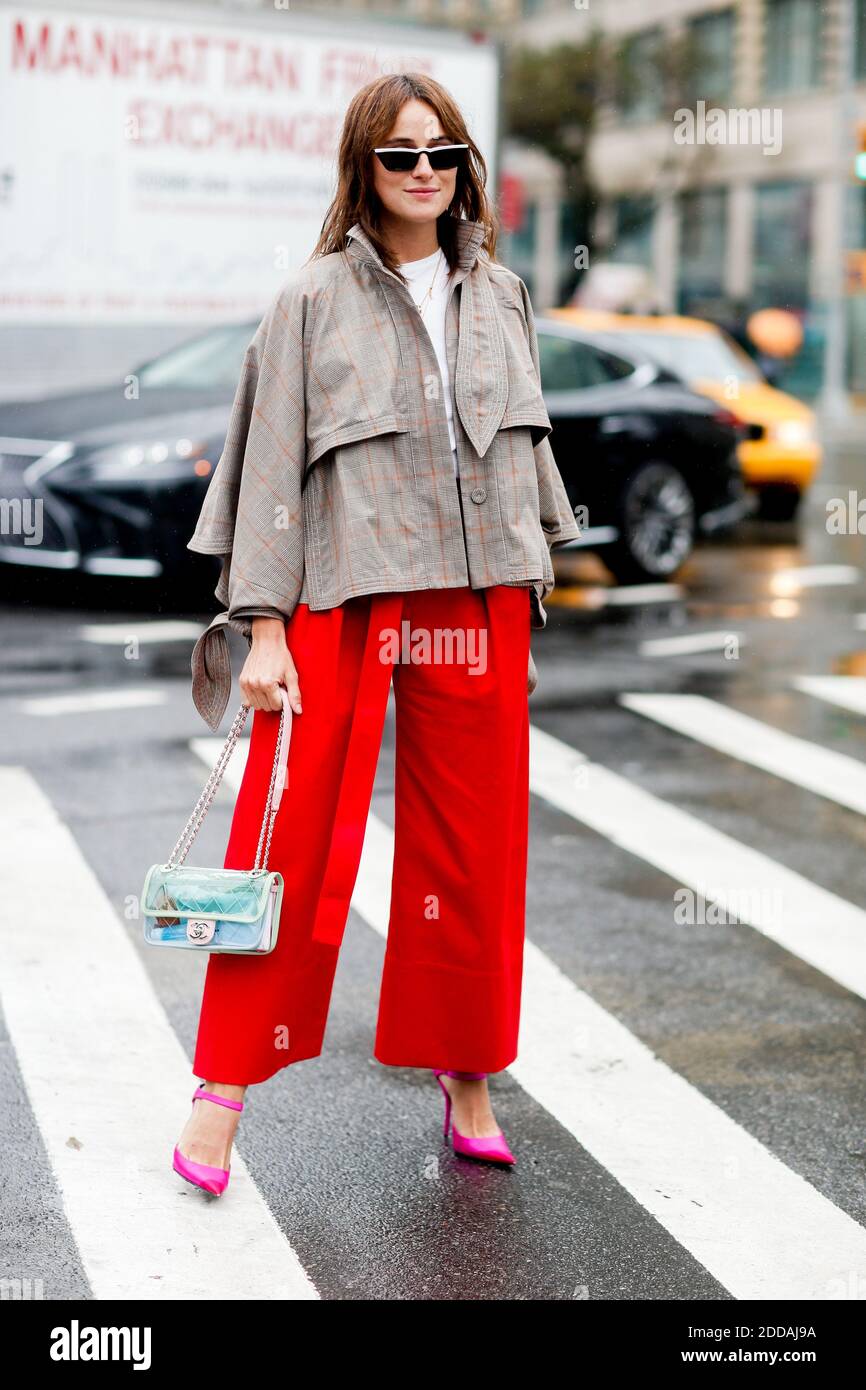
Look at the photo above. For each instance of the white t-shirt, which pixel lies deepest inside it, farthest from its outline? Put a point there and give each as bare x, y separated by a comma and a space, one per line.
419, 275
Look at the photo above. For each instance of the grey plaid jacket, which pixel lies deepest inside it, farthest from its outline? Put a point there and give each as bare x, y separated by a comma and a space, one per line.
337, 475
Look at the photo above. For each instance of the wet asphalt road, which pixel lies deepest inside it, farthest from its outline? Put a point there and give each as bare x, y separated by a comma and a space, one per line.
340, 1147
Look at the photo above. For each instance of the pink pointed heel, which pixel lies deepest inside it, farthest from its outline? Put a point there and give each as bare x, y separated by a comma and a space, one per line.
492, 1148
213, 1180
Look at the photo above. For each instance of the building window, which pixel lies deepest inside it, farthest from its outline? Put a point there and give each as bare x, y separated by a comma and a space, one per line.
703, 241
855, 300
632, 243
860, 39
641, 76
782, 245
711, 56
522, 239
855, 217
793, 45
570, 235
519, 244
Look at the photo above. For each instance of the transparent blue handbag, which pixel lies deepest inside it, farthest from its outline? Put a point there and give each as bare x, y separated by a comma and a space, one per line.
235, 910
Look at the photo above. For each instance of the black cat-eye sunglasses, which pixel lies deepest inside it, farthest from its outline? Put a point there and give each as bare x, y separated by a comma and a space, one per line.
399, 160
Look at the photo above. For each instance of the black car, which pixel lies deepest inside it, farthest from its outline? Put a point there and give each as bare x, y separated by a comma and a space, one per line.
647, 463
111, 481
115, 477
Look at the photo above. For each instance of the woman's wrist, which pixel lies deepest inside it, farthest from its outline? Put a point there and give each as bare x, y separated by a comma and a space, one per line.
268, 630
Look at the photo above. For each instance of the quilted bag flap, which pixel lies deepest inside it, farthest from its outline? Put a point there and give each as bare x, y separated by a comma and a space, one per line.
232, 895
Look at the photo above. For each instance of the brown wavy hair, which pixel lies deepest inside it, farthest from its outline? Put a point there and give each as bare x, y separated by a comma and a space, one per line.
369, 118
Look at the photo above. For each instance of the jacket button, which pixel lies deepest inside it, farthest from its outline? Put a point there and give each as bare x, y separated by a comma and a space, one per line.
478, 494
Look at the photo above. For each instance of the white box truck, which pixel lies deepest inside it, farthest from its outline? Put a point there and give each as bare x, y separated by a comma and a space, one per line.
165, 166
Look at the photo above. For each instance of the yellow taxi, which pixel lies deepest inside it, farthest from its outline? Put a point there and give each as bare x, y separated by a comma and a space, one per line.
782, 455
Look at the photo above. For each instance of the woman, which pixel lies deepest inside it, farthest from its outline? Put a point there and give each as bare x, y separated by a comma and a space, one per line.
384, 508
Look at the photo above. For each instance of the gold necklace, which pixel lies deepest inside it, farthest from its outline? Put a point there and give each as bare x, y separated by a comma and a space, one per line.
429, 292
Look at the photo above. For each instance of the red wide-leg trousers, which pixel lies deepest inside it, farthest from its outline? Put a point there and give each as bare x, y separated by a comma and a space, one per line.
451, 981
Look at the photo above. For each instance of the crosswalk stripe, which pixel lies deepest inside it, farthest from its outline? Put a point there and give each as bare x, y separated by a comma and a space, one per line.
787, 583
624, 595
594, 596
760, 1229
689, 642
822, 770
848, 692
159, 630
812, 923
110, 1085
91, 701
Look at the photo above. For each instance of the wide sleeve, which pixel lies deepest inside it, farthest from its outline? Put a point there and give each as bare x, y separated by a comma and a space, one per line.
555, 510
252, 514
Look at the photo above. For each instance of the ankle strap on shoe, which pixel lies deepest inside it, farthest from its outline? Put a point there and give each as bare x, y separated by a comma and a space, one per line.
199, 1094
468, 1075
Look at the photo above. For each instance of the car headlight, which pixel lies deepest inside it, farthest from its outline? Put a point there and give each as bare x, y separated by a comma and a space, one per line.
793, 433
154, 459
156, 452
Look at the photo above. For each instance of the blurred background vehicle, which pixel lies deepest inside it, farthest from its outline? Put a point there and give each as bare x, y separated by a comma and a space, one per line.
649, 463
119, 483
780, 455
190, 174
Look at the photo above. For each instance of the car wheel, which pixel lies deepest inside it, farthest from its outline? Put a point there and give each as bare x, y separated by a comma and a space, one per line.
779, 503
656, 514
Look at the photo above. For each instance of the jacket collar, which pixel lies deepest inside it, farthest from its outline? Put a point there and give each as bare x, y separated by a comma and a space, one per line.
470, 236
481, 385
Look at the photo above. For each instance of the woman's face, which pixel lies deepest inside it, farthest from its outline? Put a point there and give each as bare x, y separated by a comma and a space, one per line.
423, 194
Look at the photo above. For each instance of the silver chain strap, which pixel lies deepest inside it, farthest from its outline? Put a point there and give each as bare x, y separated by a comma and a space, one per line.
202, 806
270, 810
